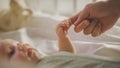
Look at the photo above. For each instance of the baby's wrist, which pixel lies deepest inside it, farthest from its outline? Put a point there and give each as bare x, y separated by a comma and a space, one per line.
63, 37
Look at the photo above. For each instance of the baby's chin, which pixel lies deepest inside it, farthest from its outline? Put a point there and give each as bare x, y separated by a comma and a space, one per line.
22, 62
15, 64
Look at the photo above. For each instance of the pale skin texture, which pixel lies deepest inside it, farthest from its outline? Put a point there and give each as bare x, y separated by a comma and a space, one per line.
13, 51
96, 18
64, 41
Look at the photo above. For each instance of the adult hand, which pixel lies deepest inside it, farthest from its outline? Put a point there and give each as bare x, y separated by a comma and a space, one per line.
96, 18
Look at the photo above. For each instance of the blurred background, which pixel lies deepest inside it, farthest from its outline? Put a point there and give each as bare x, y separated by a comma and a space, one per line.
65, 8
59, 7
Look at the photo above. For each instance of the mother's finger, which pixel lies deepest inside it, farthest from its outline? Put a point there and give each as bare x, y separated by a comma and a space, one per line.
82, 16
97, 30
88, 30
81, 26
72, 19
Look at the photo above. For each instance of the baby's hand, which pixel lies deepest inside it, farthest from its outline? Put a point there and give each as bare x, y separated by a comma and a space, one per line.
62, 29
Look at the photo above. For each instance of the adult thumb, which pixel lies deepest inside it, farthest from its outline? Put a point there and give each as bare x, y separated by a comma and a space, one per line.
83, 15
73, 19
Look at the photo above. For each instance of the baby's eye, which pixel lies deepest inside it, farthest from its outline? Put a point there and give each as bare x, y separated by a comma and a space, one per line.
12, 51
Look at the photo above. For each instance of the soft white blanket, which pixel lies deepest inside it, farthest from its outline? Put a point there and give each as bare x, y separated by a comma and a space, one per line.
67, 60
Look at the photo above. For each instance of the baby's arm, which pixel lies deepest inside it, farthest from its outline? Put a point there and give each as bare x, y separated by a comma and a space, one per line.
64, 41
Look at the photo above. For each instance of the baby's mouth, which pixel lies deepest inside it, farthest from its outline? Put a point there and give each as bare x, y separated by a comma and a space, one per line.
30, 52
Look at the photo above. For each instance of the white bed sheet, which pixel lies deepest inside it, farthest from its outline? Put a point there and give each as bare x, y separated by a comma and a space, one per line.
40, 33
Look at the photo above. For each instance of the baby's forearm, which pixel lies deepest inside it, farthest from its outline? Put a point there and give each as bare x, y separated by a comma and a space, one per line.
65, 44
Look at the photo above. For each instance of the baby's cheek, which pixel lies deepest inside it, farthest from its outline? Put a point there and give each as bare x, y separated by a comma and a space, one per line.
19, 57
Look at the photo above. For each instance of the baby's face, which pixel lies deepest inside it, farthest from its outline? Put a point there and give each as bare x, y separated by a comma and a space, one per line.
14, 51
